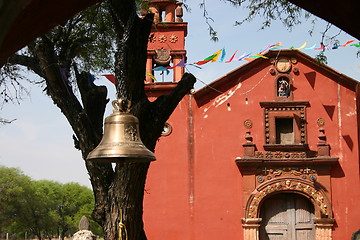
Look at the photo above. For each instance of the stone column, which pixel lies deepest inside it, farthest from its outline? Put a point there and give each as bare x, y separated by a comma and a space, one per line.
178, 71
149, 66
323, 229
170, 13
251, 228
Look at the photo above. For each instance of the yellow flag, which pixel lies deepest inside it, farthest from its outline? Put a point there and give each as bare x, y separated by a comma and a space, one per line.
151, 76
302, 46
217, 54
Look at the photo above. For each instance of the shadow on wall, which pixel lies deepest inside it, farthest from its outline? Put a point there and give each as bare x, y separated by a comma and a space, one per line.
356, 235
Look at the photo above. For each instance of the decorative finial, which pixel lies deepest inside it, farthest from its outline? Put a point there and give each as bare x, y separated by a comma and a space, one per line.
84, 223
322, 136
323, 147
248, 137
179, 12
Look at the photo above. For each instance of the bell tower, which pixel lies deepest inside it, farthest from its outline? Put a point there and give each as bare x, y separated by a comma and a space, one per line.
166, 46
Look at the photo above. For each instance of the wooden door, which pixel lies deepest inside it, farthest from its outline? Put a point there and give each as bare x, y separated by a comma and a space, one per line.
287, 217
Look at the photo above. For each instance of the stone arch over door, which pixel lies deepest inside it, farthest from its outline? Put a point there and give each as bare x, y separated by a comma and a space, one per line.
316, 195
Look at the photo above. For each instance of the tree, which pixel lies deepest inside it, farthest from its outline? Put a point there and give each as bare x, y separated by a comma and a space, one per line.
13, 185
55, 57
73, 202
45, 209
36, 213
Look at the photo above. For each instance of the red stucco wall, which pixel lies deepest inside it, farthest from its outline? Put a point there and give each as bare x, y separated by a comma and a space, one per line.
195, 190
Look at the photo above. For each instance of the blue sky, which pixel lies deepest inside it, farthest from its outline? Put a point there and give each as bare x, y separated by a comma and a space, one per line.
40, 142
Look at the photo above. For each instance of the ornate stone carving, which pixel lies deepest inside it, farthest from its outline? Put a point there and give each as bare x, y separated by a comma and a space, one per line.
162, 57
162, 38
302, 120
301, 186
296, 70
173, 38
283, 155
321, 122
248, 124
275, 172
272, 71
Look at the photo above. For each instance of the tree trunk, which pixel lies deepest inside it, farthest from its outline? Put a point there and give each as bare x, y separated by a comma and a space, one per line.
118, 192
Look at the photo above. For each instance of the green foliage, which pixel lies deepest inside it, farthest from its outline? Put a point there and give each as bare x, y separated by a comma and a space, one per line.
42, 208
271, 10
87, 39
13, 185
321, 58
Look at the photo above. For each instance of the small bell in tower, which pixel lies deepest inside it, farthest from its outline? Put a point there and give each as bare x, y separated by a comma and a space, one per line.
121, 140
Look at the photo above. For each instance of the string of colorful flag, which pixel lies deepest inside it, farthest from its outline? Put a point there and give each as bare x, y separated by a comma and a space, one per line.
220, 56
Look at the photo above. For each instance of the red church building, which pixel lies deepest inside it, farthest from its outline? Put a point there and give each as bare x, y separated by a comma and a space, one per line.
268, 151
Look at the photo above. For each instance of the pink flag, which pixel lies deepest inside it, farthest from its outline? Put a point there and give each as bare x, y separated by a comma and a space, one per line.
232, 57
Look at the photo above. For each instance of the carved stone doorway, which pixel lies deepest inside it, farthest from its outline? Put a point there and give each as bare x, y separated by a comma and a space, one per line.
287, 216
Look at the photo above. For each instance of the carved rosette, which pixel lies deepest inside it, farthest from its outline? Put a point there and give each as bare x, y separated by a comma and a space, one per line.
321, 122
248, 124
173, 38
303, 187
162, 38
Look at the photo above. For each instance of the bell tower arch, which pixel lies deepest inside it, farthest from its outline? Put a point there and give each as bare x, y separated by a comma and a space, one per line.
166, 45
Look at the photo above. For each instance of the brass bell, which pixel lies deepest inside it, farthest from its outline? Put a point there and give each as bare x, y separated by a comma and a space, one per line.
121, 140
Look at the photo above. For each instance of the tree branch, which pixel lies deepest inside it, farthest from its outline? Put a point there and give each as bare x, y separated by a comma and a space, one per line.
166, 104
30, 62
153, 116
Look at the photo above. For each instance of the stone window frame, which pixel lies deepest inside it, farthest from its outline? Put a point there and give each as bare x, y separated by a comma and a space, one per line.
295, 110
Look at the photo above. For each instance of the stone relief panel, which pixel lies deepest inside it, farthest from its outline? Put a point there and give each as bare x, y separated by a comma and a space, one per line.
295, 185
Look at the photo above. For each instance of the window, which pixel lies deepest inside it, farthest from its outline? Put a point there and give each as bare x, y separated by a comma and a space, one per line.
283, 87
284, 130
285, 125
